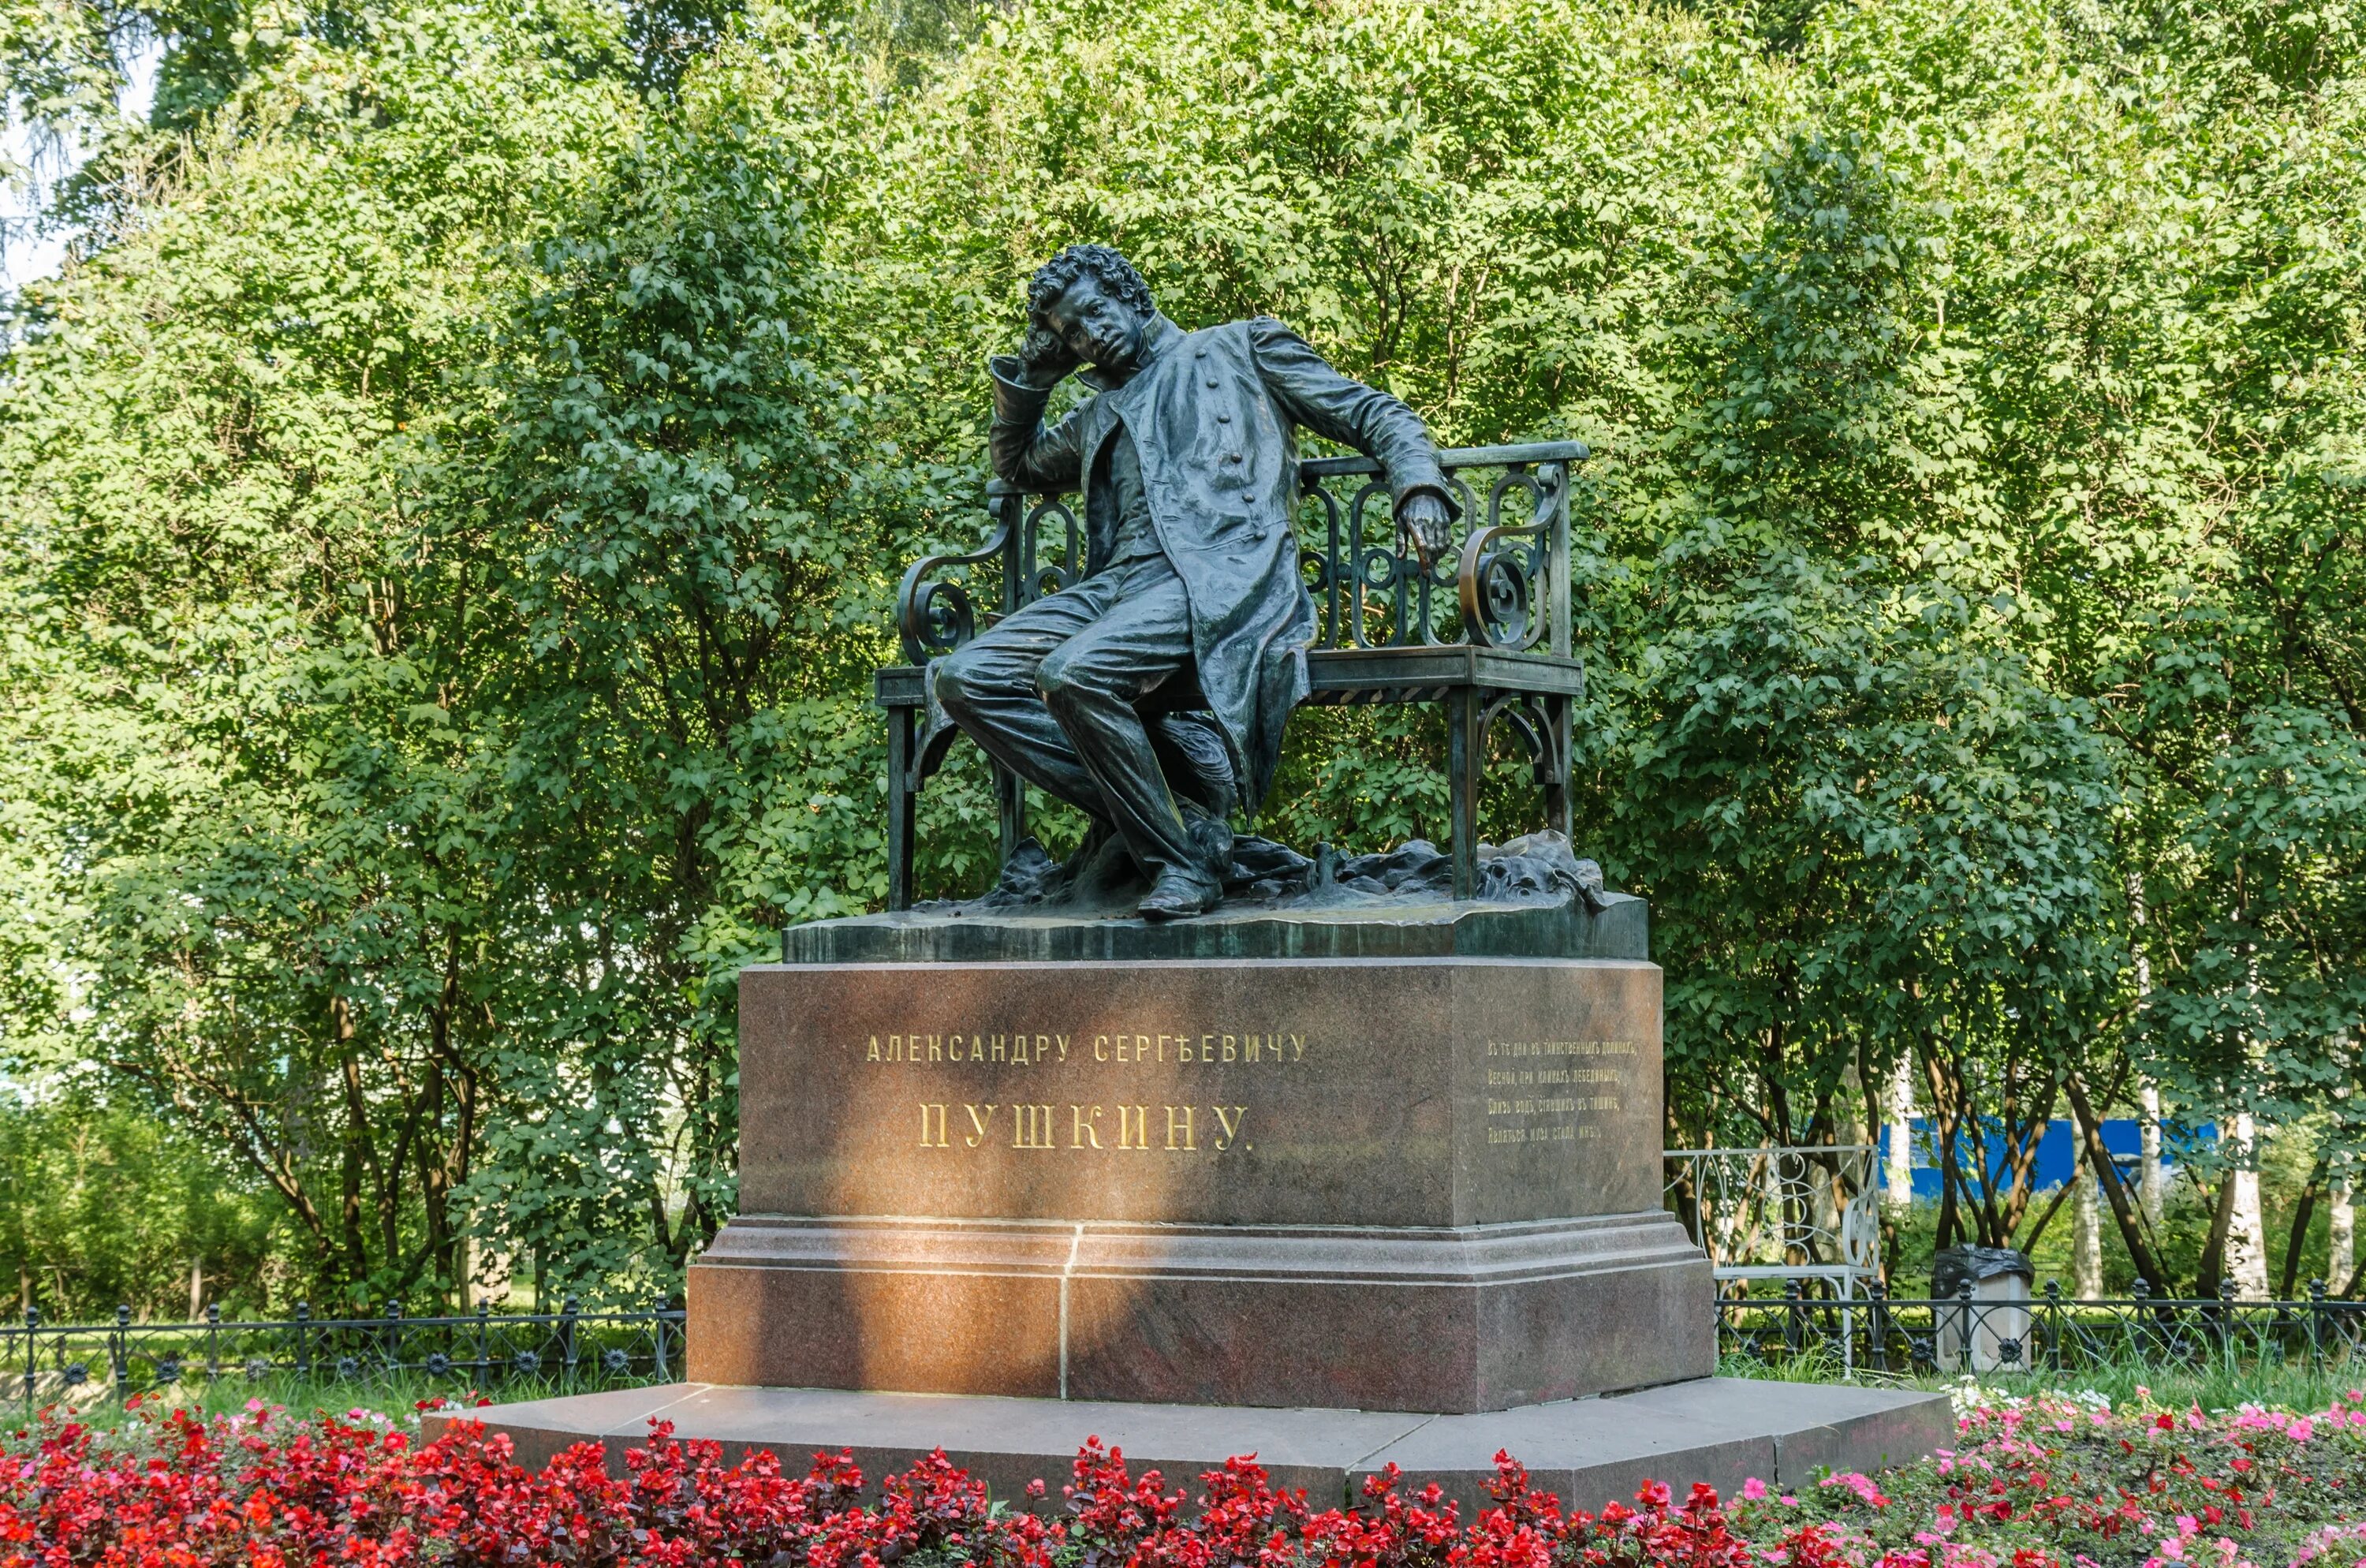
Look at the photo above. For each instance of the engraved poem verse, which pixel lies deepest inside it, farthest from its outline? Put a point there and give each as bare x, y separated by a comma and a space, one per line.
1542, 1092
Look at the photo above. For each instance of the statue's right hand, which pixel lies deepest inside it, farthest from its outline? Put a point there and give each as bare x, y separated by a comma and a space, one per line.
1044, 359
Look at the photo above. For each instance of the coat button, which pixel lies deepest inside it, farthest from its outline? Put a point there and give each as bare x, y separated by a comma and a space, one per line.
1199, 354
1231, 457
1224, 419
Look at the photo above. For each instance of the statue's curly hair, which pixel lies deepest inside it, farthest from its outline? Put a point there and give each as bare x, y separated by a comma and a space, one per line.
1101, 264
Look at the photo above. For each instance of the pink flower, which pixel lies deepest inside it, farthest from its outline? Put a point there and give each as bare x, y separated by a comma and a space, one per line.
1753, 1490
1862, 1485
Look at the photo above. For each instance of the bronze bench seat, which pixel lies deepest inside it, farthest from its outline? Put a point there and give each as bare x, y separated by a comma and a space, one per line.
1489, 640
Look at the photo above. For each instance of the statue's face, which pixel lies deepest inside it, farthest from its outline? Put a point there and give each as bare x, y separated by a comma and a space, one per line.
1099, 328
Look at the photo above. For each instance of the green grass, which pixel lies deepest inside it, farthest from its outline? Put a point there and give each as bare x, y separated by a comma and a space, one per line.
396, 1398
2280, 1386
2218, 1388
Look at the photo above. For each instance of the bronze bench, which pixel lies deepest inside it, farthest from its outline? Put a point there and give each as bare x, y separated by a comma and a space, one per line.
1490, 639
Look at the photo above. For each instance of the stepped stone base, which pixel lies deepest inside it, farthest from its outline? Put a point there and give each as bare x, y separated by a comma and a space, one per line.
1476, 1318
1720, 1431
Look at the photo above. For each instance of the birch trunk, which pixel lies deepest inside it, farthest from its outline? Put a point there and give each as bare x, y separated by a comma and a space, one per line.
1898, 1185
2148, 1175
2247, 1240
2341, 1237
2086, 1233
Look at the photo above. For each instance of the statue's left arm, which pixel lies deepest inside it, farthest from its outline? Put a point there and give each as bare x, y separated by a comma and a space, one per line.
1342, 409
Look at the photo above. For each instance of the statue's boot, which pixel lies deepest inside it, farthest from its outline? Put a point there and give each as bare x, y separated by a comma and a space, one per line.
1180, 892
1198, 771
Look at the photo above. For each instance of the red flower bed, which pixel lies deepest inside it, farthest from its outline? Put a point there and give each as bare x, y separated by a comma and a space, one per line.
2051, 1482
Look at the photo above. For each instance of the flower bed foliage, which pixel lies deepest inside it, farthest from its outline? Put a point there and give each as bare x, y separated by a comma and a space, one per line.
2066, 1481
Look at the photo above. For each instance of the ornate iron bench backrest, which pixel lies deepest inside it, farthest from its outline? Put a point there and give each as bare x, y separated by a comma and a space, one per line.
1505, 586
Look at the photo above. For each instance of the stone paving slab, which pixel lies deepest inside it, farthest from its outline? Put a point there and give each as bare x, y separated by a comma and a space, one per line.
1720, 1431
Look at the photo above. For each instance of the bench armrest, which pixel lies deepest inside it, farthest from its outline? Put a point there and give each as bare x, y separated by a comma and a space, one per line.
935, 617
1511, 581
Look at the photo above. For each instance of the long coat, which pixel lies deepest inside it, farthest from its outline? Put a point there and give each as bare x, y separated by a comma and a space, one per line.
1214, 416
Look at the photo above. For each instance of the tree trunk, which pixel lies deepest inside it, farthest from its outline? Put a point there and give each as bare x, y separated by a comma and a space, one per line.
2025, 1122
1898, 1191
443, 1262
351, 1148
1944, 1105
2340, 1236
2247, 1231
2149, 1183
2086, 1232
1950, 1211
2296, 1239
2213, 1267
2149, 1179
2123, 1209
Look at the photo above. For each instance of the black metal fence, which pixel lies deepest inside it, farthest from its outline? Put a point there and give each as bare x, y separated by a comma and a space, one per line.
2046, 1334
569, 1350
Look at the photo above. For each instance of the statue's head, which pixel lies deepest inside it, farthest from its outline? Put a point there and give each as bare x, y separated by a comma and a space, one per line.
1092, 300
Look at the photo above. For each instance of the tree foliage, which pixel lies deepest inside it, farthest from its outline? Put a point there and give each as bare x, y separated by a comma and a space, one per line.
455, 497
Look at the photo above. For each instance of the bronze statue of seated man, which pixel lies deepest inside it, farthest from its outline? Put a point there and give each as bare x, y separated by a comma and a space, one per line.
1152, 693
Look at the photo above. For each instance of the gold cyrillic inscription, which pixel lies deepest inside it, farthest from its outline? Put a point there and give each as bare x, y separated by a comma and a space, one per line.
1133, 1126
1228, 1124
1033, 1130
1524, 1102
932, 1127
1033, 1126
987, 1048
979, 1119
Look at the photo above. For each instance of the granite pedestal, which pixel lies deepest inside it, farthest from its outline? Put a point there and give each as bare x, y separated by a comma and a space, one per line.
1342, 1187
1429, 1180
